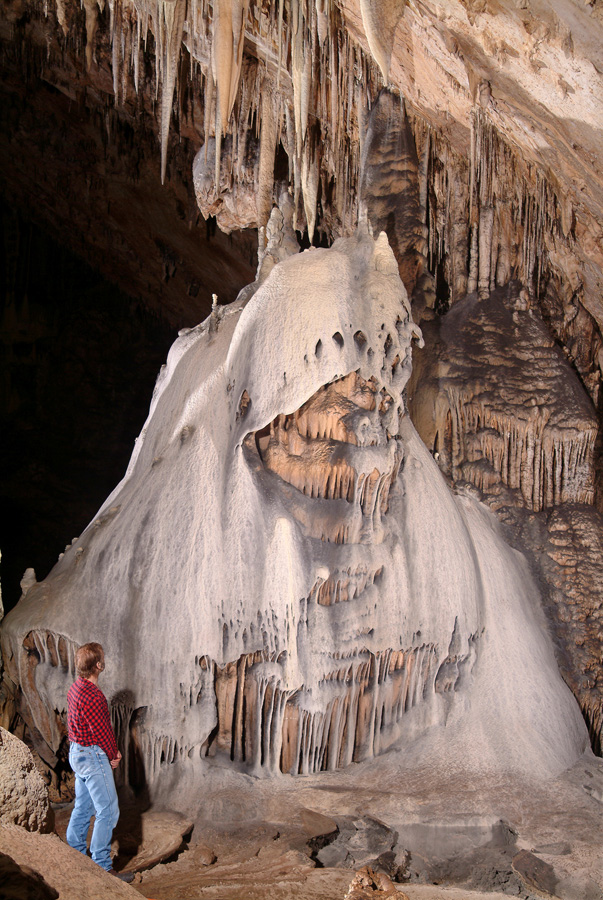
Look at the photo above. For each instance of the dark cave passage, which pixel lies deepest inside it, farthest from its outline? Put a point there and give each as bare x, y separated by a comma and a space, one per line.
79, 359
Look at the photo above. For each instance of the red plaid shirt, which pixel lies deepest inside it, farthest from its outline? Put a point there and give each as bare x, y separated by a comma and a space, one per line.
88, 719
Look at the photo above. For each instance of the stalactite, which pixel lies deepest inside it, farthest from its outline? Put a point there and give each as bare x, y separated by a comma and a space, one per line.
91, 10
270, 113
209, 110
265, 726
136, 54
115, 25
380, 19
280, 42
309, 180
228, 26
171, 19
301, 70
308, 38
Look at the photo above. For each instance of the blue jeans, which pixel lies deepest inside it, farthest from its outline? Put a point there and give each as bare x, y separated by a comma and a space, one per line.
95, 795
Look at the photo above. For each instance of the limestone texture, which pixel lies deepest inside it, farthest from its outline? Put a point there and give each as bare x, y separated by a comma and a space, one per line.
23, 792
501, 407
565, 547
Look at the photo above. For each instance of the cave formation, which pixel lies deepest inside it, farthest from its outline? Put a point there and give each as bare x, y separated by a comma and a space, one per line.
158, 139
327, 595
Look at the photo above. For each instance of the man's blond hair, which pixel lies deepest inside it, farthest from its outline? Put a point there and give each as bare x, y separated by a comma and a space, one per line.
87, 657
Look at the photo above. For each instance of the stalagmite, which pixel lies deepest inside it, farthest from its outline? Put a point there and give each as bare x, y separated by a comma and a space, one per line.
328, 597
290, 479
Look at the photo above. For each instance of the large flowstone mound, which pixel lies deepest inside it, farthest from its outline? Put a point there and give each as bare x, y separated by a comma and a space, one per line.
283, 581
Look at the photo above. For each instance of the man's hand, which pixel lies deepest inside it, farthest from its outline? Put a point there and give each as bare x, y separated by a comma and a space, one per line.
115, 762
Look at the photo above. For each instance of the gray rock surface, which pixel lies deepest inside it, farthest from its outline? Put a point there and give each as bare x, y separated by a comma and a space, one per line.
360, 842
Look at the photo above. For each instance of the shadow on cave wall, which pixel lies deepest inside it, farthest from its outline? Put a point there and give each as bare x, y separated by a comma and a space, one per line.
78, 362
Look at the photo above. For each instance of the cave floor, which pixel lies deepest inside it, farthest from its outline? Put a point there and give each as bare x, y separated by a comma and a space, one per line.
265, 864
469, 839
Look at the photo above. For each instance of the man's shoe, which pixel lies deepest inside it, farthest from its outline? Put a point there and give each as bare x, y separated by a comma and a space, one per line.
128, 877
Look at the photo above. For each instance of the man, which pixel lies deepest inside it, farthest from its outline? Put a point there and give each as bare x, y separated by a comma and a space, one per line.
93, 755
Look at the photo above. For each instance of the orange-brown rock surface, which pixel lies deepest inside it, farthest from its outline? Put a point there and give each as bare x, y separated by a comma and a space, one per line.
496, 402
49, 868
23, 793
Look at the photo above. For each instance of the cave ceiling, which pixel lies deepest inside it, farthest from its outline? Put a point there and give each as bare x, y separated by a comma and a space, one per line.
102, 102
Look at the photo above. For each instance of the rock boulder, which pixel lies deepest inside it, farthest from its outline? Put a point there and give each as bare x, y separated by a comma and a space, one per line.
23, 793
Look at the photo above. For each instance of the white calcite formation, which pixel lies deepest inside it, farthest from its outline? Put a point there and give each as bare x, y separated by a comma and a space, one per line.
283, 581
